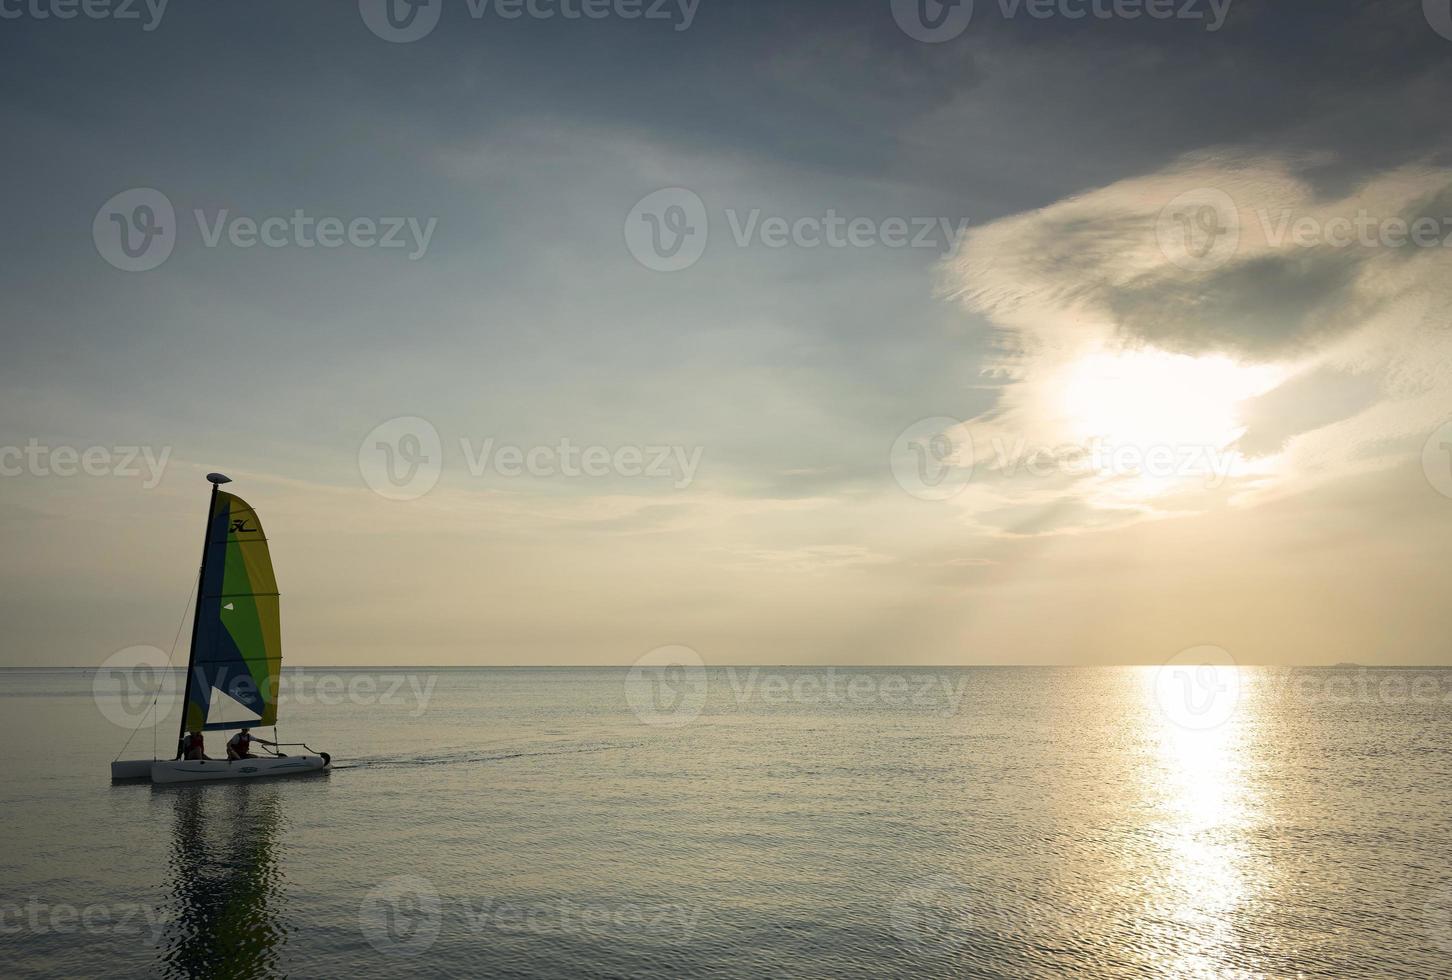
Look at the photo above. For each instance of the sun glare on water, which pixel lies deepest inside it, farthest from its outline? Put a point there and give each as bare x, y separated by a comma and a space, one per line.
1200, 727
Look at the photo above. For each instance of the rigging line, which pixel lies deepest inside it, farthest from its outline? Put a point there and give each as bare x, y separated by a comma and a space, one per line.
169, 658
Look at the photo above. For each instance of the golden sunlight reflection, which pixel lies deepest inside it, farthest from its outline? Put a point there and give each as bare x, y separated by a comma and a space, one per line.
1195, 778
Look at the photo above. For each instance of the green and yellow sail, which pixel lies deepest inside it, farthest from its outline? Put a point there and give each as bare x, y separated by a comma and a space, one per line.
237, 648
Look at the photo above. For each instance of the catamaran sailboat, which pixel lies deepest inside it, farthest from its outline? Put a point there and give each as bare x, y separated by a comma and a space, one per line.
236, 651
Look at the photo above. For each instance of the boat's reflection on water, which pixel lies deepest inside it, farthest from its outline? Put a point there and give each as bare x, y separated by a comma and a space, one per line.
223, 882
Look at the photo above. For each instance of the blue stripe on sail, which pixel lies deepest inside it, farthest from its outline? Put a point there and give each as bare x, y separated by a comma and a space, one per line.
209, 625
217, 660
219, 664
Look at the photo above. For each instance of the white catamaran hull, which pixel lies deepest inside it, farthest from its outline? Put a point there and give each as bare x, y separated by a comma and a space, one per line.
132, 769
185, 771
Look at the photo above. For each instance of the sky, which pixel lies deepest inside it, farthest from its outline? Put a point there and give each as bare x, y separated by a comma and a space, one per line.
851, 332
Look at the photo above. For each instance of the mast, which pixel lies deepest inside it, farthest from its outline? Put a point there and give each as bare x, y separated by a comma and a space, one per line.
216, 479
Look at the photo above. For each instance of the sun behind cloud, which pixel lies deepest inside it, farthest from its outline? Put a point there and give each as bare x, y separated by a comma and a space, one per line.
1132, 354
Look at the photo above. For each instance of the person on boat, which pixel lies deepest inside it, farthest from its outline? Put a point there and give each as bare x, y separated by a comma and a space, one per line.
239, 746
193, 748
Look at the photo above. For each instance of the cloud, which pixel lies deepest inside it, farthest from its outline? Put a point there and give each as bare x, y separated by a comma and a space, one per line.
1304, 403
1261, 308
1222, 305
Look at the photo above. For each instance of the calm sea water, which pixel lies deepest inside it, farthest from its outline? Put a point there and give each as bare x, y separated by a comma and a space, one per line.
596, 823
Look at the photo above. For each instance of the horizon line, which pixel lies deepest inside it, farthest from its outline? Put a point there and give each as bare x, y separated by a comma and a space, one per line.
709, 666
